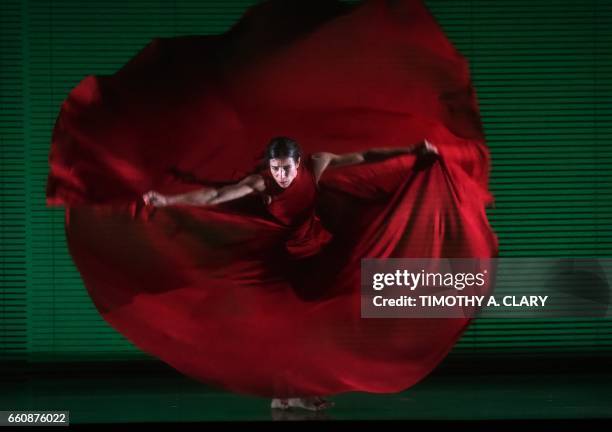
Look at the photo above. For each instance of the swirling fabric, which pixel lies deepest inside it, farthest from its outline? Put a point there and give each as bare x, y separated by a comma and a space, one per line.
212, 291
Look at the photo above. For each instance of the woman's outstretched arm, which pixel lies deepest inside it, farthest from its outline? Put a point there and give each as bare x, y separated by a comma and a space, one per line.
324, 160
208, 196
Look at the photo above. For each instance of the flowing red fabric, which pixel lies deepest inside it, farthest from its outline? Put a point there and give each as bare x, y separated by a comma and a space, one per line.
234, 295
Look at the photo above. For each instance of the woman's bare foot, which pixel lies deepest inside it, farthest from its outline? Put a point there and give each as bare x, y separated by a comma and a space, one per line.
313, 403
280, 404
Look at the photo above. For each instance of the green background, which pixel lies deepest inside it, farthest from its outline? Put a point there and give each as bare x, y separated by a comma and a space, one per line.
543, 73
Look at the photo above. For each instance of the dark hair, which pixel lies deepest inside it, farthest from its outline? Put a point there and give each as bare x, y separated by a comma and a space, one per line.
282, 147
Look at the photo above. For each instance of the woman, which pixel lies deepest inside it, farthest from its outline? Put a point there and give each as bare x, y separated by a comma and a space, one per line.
288, 173
229, 297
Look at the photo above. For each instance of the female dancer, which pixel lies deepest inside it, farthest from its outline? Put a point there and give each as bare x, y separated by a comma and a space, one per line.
274, 291
288, 180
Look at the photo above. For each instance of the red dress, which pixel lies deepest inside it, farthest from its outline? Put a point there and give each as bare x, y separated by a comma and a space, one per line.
268, 303
295, 207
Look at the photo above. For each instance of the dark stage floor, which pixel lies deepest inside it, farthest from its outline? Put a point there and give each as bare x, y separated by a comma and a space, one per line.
492, 389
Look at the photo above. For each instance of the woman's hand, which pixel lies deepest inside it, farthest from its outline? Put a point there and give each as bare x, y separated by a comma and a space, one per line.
155, 199
427, 149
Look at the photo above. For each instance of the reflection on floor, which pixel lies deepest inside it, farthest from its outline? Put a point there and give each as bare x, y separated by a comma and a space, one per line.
471, 391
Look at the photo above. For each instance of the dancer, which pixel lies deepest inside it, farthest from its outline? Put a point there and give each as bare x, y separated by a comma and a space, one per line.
213, 285
285, 168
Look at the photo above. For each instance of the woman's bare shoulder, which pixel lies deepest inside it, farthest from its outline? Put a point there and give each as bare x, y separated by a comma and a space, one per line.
256, 181
322, 155
319, 163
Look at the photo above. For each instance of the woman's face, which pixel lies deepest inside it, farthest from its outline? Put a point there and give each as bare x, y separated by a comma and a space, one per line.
284, 170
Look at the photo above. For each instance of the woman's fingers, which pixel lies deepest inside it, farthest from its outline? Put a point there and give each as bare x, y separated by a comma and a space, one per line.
430, 148
153, 198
